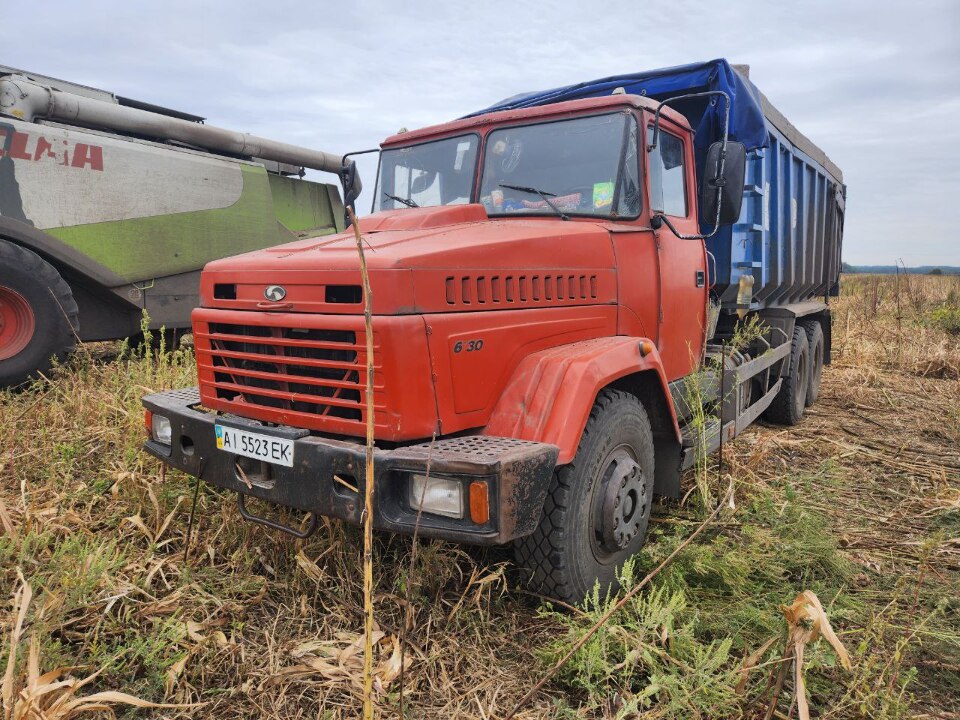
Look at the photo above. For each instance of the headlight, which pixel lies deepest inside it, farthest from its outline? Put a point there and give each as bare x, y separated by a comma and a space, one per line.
440, 496
161, 430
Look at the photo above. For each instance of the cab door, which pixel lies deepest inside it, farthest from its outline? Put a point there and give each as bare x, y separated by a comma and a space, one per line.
672, 190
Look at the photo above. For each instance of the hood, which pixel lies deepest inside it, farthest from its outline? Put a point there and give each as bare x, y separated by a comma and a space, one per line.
420, 260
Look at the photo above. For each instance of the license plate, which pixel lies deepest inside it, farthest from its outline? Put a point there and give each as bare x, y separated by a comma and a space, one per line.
278, 451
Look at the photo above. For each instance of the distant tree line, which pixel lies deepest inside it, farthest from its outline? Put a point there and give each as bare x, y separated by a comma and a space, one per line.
847, 268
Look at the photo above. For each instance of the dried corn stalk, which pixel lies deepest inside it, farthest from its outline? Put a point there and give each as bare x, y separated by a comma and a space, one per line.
52, 695
806, 622
368, 483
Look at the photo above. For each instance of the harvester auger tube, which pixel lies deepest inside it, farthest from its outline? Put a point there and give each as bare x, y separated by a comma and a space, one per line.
24, 99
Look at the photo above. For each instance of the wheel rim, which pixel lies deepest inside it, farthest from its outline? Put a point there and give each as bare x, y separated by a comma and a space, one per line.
17, 323
621, 504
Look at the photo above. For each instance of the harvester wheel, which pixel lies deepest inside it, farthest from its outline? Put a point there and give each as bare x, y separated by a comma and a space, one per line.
815, 339
38, 315
787, 407
598, 508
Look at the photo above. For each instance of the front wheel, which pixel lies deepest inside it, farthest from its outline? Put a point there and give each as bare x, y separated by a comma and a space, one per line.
598, 508
38, 315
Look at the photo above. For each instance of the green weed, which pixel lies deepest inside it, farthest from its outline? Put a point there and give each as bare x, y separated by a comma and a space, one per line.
679, 647
946, 318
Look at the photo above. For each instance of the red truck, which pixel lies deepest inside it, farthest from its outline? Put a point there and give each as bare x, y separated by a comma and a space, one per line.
542, 297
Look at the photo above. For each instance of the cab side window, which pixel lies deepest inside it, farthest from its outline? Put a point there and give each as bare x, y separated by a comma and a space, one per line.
674, 174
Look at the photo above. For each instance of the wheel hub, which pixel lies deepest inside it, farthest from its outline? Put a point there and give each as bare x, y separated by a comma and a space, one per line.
624, 503
17, 323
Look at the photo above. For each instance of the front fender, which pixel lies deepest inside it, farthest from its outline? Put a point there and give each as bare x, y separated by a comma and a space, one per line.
551, 393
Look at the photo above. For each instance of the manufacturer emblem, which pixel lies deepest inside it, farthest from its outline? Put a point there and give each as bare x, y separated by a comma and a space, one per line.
274, 293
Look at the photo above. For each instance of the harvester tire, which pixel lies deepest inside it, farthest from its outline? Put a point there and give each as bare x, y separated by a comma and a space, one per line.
788, 406
815, 339
598, 508
39, 318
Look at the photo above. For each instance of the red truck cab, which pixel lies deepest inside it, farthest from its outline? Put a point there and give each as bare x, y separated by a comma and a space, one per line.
530, 312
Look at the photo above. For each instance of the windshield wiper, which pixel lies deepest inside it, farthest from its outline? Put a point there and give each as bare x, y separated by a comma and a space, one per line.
406, 201
542, 193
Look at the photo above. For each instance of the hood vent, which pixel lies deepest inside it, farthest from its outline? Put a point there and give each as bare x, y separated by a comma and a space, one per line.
476, 291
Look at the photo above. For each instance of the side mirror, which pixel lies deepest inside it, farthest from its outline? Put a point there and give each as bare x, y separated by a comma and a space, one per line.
350, 179
730, 183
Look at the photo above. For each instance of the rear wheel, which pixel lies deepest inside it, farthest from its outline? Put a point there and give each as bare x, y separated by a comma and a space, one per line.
598, 508
815, 339
787, 407
38, 315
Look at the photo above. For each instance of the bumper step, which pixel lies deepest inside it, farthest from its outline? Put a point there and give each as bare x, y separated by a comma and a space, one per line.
516, 473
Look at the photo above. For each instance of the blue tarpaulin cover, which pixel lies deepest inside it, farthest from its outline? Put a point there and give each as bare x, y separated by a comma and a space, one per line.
705, 115
790, 228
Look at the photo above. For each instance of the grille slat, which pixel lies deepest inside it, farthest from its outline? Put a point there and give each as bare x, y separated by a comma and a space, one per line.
282, 395
287, 342
302, 371
296, 360
287, 378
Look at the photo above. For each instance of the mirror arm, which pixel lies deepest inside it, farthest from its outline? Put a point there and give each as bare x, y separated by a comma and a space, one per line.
658, 220
720, 165
351, 191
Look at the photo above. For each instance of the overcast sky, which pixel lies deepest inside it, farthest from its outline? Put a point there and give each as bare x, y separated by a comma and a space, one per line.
875, 84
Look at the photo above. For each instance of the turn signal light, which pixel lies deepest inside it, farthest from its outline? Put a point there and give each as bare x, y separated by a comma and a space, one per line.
646, 347
479, 502
148, 421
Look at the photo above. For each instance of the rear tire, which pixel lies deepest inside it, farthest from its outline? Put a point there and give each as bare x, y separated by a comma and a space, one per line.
38, 315
598, 509
815, 339
787, 407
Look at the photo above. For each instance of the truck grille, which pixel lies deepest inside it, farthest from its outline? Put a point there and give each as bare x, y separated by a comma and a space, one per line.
305, 371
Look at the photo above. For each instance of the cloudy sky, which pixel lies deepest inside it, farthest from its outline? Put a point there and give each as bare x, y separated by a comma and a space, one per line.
876, 84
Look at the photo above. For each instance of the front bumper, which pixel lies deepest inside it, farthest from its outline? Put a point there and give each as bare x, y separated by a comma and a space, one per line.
516, 473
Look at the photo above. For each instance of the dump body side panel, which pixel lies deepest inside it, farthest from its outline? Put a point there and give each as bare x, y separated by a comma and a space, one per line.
789, 233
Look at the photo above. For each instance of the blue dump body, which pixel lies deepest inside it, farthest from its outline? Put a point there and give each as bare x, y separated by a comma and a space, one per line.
791, 226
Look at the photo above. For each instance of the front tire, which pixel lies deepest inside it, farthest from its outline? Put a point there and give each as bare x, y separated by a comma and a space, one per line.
598, 509
38, 315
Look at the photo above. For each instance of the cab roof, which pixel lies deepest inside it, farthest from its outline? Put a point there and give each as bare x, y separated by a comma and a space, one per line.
569, 108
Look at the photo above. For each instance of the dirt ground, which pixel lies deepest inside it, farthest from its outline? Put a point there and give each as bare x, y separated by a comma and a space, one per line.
860, 503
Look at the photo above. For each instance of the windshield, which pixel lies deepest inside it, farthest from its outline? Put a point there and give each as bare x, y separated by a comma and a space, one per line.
568, 167
433, 173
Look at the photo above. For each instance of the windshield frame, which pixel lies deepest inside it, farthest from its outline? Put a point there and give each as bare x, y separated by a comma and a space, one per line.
629, 116
480, 141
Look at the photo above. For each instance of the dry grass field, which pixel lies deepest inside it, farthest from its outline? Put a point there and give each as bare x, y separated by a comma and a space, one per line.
860, 504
